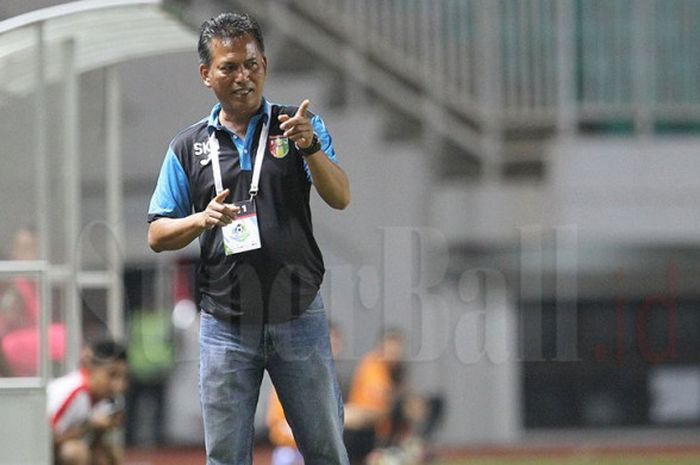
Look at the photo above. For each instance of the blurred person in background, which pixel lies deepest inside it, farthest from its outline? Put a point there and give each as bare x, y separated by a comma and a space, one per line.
19, 316
261, 268
86, 405
154, 345
151, 352
382, 410
19, 304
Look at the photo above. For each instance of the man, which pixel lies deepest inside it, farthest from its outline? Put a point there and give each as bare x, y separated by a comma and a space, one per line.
383, 410
82, 407
240, 181
151, 354
376, 387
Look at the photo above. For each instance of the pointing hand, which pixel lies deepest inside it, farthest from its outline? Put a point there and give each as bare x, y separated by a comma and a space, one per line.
298, 128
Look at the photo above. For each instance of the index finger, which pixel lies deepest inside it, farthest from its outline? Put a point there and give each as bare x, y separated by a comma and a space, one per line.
302, 108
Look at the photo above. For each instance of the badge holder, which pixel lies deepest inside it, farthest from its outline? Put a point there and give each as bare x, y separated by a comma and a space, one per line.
243, 234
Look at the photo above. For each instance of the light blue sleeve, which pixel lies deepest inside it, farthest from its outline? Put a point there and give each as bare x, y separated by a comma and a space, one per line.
324, 137
171, 197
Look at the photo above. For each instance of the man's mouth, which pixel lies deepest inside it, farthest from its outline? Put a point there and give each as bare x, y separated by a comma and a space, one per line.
242, 92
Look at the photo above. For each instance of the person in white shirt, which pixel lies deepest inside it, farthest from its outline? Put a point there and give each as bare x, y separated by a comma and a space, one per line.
84, 405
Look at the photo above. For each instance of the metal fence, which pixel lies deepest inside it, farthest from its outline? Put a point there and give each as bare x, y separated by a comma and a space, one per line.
534, 60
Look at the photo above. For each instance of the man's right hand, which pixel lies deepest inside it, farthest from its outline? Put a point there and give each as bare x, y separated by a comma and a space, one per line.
219, 213
176, 233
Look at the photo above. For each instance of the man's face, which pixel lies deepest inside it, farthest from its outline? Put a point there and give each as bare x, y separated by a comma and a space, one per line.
24, 246
236, 74
393, 348
108, 380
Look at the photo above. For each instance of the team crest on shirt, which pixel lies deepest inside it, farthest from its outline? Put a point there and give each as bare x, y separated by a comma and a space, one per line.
278, 146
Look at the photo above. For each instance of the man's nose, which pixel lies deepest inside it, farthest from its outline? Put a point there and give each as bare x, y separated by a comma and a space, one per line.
118, 387
242, 75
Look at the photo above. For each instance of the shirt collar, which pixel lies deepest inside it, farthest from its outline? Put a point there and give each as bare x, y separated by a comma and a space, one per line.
213, 120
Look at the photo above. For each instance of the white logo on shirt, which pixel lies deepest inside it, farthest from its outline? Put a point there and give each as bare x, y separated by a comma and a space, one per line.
201, 148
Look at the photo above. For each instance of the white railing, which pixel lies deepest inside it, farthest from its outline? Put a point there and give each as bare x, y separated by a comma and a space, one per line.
531, 60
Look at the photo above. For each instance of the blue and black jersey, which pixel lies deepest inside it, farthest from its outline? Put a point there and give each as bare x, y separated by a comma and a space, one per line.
278, 281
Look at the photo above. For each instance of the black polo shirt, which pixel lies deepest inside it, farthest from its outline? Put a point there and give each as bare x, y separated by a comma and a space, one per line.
278, 281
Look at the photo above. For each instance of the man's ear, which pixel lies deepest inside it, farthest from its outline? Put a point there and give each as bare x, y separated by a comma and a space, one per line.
264, 61
204, 74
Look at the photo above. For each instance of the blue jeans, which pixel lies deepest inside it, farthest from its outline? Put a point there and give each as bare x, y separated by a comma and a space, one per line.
297, 356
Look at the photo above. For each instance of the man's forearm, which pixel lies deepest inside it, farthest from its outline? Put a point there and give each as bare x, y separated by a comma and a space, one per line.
330, 180
174, 233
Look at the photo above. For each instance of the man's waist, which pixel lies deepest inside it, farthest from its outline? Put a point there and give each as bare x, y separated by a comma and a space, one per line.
275, 308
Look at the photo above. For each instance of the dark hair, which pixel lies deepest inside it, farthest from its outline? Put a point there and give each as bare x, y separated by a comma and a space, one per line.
227, 26
106, 351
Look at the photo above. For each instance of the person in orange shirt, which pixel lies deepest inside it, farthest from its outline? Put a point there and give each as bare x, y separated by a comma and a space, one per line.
376, 388
384, 416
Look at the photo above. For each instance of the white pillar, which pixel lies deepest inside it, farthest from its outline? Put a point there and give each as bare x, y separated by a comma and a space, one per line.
489, 87
566, 76
41, 147
644, 67
72, 198
115, 202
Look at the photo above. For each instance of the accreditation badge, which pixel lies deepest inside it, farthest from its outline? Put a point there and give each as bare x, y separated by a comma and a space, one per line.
242, 234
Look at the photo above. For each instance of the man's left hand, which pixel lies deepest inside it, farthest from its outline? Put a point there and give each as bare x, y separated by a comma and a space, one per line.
298, 127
